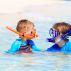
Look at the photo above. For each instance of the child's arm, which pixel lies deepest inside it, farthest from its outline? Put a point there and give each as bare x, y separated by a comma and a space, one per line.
34, 48
15, 47
54, 48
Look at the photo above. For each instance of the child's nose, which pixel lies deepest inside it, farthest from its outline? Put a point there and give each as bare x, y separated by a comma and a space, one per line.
26, 29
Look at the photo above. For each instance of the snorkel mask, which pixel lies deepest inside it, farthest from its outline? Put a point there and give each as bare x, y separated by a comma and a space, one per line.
53, 33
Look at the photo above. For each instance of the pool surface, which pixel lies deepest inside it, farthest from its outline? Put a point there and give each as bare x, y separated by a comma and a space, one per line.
44, 61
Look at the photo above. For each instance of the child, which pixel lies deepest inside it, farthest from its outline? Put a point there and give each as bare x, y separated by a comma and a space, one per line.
60, 33
23, 44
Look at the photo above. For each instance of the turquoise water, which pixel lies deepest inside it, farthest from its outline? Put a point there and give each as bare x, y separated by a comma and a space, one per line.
38, 61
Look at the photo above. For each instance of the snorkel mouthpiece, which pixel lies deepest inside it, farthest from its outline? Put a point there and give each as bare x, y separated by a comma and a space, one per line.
51, 40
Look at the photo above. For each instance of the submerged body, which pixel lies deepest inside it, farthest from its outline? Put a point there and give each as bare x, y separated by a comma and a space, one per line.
65, 48
21, 46
26, 31
60, 33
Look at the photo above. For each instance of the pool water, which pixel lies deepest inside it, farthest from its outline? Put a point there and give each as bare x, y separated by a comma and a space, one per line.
44, 61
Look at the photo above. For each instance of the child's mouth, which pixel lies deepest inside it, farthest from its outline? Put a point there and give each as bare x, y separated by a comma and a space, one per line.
29, 35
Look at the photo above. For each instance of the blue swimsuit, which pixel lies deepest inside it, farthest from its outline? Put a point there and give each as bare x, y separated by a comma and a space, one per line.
65, 48
54, 48
22, 46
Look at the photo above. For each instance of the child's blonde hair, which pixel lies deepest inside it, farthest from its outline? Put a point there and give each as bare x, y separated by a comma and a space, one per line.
23, 22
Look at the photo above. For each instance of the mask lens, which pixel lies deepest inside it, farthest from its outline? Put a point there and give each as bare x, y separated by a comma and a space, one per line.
53, 33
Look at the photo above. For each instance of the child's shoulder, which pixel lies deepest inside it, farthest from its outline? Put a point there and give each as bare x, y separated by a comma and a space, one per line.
68, 43
17, 41
67, 47
31, 42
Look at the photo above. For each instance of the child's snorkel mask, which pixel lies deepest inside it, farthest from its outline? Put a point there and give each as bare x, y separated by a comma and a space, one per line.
53, 33
28, 36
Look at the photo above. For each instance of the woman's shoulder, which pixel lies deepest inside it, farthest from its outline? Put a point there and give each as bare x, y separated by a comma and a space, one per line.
17, 41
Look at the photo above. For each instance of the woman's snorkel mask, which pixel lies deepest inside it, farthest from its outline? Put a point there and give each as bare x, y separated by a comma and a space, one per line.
53, 33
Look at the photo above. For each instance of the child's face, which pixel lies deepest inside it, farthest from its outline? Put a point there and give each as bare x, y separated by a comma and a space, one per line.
58, 38
27, 29
55, 34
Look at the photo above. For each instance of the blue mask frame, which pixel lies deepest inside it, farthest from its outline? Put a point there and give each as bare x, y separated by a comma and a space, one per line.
53, 33
65, 35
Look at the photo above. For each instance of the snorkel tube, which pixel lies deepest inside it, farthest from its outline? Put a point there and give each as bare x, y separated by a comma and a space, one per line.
28, 36
65, 35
